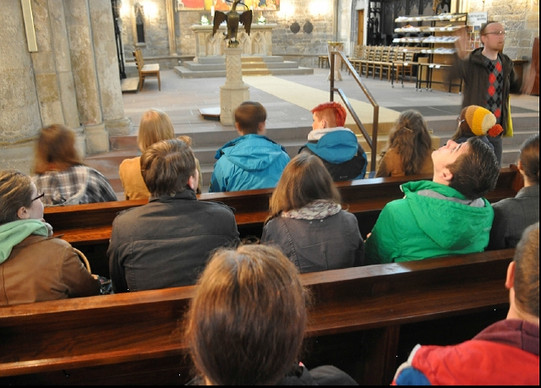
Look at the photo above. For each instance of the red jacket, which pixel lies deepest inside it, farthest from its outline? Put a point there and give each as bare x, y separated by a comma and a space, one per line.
505, 353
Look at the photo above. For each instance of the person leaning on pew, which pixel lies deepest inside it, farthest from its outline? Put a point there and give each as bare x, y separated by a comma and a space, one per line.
34, 266
445, 216
246, 322
505, 353
167, 242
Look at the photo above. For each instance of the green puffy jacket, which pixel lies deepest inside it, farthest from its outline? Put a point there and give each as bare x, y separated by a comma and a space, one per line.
431, 220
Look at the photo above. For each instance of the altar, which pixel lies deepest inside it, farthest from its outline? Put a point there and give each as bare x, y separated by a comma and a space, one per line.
259, 42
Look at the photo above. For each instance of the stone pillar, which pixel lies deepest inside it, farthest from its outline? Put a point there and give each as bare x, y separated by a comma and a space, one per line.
85, 75
234, 91
108, 76
170, 11
19, 104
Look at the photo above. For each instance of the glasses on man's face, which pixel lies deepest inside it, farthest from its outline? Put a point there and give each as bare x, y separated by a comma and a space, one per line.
38, 197
459, 120
495, 33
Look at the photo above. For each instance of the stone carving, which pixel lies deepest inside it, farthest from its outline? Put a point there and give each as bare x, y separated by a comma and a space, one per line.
233, 18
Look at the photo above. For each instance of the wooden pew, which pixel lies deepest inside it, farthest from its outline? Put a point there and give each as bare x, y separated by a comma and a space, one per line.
359, 318
88, 227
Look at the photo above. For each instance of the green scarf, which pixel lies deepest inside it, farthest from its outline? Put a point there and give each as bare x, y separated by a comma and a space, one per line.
14, 232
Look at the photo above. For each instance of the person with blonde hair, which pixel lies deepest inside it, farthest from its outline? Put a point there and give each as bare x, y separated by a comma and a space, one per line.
246, 322
61, 175
308, 223
155, 125
34, 266
409, 148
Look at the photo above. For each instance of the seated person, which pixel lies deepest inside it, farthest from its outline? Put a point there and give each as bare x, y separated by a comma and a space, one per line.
246, 322
34, 266
167, 242
477, 121
155, 125
409, 148
445, 216
506, 352
513, 215
251, 161
307, 221
60, 173
334, 144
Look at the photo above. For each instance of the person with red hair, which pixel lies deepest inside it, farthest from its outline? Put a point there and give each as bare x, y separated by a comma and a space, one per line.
334, 144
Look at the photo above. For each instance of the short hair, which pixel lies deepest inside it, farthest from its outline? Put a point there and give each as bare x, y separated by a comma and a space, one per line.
338, 110
475, 172
167, 166
15, 192
246, 322
304, 179
249, 115
56, 146
411, 139
529, 158
485, 25
526, 282
155, 125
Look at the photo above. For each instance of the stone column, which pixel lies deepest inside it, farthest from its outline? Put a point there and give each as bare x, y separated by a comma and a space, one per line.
108, 76
19, 104
85, 75
234, 91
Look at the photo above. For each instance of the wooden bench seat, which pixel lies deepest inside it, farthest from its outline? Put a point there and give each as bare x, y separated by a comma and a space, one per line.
137, 337
88, 227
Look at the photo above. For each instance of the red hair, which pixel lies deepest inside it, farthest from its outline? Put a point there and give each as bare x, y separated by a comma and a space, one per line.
339, 111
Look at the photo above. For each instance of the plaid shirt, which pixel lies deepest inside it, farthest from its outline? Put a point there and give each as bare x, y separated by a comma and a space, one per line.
76, 185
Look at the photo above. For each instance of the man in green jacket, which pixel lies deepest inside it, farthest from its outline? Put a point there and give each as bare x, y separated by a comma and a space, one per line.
445, 216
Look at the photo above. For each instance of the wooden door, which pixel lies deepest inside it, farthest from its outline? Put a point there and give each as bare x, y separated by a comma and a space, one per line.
360, 26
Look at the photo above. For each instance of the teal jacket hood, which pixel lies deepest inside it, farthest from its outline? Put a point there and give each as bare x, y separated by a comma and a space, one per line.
251, 152
335, 147
12, 233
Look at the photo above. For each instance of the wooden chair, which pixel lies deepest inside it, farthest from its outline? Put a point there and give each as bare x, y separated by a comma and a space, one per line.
146, 70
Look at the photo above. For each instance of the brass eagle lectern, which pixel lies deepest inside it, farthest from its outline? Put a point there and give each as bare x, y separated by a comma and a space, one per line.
233, 18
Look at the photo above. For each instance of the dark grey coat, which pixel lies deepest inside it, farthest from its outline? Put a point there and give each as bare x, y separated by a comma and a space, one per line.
167, 242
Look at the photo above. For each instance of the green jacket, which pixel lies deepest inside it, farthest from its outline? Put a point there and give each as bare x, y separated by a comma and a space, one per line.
431, 220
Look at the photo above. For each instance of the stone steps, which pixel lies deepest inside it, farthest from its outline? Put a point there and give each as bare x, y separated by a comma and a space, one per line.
214, 66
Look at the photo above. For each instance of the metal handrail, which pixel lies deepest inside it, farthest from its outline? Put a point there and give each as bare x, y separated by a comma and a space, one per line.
372, 141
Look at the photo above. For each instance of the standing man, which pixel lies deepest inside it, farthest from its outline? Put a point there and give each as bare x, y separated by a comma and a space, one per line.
488, 76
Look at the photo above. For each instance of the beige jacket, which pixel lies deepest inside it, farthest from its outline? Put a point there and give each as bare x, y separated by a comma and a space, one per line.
43, 268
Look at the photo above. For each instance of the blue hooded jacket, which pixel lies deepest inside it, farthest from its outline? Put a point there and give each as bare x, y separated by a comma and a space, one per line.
248, 162
341, 153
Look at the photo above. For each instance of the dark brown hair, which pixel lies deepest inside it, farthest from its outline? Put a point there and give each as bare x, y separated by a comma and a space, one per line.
166, 167
249, 115
246, 322
55, 149
526, 282
304, 180
529, 158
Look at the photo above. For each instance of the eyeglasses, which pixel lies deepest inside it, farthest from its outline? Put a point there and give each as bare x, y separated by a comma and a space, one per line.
38, 197
495, 33
459, 120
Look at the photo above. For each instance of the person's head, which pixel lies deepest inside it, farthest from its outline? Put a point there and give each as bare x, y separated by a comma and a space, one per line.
155, 125
523, 277
470, 167
474, 120
304, 179
492, 36
19, 198
250, 117
55, 149
246, 322
410, 137
328, 115
168, 167
528, 161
